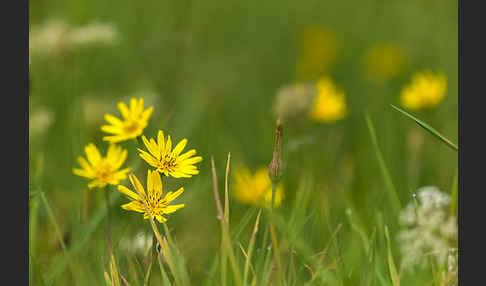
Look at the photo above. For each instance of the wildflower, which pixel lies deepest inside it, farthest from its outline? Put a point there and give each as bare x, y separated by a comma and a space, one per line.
428, 229
153, 199
102, 170
318, 49
134, 121
56, 37
385, 60
256, 189
329, 104
425, 91
140, 244
40, 120
170, 163
95, 33
293, 101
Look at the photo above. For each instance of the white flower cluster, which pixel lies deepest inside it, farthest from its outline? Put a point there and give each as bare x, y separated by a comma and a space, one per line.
428, 229
40, 120
140, 244
55, 37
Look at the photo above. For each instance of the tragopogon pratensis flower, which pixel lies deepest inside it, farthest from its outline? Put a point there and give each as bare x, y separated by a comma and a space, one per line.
256, 189
167, 161
102, 170
135, 119
424, 92
385, 60
329, 104
318, 50
156, 203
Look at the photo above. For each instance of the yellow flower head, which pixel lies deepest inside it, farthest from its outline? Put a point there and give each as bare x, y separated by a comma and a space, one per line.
167, 161
318, 49
425, 91
102, 170
385, 60
329, 104
256, 189
156, 203
135, 119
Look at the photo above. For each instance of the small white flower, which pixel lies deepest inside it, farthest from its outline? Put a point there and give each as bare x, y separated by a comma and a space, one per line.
428, 228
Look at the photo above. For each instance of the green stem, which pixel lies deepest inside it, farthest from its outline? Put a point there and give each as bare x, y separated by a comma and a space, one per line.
108, 229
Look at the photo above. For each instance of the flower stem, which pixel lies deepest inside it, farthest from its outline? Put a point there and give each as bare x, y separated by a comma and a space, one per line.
108, 229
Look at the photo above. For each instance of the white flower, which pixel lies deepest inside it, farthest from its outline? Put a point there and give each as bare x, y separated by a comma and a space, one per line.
40, 120
428, 228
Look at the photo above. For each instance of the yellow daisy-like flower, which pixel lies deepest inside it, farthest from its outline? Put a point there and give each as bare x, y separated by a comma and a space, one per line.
156, 203
102, 170
385, 60
256, 189
167, 161
318, 50
329, 104
425, 91
135, 119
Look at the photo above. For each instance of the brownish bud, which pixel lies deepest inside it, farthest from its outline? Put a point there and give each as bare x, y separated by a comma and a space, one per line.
275, 167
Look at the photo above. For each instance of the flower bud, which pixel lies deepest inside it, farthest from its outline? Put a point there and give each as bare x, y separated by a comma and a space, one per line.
275, 167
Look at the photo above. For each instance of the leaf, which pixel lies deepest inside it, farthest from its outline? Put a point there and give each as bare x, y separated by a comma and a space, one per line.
428, 128
391, 264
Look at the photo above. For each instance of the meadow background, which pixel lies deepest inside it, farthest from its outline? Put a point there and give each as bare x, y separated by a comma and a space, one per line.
212, 70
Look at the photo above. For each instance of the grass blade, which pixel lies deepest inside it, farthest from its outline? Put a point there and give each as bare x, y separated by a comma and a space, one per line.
391, 264
428, 128
384, 170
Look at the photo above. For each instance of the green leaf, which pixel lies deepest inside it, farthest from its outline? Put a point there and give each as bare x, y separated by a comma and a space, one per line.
428, 128
391, 264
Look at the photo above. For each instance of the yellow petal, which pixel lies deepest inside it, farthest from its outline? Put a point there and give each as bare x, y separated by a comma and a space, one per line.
124, 110
172, 208
157, 181
128, 192
161, 142
93, 154
179, 147
113, 120
147, 113
149, 146
137, 185
168, 145
113, 129
134, 206
172, 196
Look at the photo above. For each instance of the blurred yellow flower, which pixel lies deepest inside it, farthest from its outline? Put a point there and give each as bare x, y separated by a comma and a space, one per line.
171, 163
156, 203
318, 49
385, 60
329, 104
256, 189
134, 121
425, 91
102, 170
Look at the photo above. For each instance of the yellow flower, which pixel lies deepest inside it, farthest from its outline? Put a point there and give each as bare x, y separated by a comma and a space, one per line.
329, 104
134, 121
171, 163
153, 199
102, 170
385, 60
425, 91
318, 49
256, 189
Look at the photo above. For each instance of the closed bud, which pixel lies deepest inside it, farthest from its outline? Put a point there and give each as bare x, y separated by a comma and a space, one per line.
275, 167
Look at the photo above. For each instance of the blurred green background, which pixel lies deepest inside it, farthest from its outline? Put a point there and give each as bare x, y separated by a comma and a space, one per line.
212, 70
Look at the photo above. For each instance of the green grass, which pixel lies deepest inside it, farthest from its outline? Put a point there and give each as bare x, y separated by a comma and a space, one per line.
213, 69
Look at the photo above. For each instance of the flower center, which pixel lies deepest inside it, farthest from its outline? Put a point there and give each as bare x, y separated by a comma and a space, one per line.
103, 173
130, 127
167, 162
